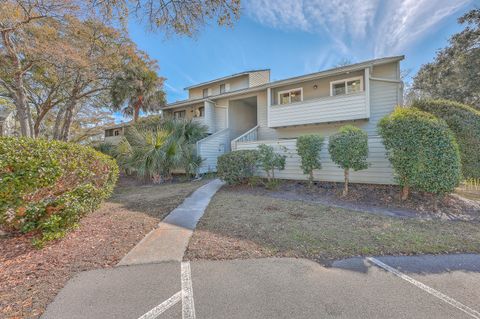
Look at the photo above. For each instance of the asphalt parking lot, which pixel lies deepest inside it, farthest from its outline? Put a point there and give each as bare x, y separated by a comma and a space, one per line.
381, 287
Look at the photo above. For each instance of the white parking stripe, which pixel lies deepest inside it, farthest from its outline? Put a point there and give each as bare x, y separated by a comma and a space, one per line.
188, 306
161, 308
469, 311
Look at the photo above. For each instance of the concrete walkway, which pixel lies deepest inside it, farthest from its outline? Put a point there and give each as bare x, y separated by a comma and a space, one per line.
169, 241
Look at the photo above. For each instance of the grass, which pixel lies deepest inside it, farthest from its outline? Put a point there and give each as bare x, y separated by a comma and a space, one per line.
239, 225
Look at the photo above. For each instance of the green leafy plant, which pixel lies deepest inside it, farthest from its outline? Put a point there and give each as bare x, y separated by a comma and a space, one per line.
349, 149
422, 151
464, 121
270, 161
237, 167
154, 149
46, 186
308, 148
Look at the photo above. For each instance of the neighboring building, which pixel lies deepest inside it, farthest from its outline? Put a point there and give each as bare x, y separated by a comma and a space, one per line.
245, 110
114, 133
7, 121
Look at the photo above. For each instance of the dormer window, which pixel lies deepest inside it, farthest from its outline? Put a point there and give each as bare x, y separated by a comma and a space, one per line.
222, 88
346, 86
205, 92
290, 96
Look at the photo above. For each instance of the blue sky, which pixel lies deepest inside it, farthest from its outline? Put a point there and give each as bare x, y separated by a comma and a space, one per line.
294, 37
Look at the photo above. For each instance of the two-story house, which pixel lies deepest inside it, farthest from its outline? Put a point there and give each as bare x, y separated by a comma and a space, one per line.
246, 109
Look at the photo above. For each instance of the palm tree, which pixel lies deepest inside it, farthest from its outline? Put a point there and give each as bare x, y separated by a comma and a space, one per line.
137, 88
153, 151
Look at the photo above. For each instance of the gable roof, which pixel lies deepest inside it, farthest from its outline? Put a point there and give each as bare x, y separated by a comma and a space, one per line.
224, 78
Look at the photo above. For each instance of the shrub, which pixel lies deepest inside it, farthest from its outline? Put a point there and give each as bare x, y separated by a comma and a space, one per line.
464, 121
349, 150
422, 150
308, 148
270, 161
46, 186
237, 167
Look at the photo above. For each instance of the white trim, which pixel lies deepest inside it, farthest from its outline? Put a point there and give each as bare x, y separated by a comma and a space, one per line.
367, 90
345, 81
289, 96
269, 104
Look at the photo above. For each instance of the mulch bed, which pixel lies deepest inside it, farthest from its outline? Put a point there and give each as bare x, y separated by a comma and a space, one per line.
30, 278
382, 199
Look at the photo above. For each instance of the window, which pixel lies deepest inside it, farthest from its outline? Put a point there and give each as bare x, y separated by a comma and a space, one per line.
222, 88
347, 86
116, 133
200, 112
290, 96
205, 92
179, 114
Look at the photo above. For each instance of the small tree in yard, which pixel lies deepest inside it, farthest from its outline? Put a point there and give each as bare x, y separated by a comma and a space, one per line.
308, 148
269, 161
349, 150
423, 151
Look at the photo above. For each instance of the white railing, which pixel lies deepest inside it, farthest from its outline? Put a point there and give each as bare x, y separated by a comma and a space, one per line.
210, 148
322, 110
249, 136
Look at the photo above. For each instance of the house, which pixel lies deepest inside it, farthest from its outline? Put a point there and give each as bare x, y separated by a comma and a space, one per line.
7, 121
246, 109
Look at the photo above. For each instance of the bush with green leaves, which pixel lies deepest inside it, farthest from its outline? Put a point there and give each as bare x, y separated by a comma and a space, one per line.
46, 186
422, 150
349, 149
464, 121
154, 149
237, 167
308, 148
270, 161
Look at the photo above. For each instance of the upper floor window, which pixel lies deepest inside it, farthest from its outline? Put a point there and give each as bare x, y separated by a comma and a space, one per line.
200, 112
290, 96
205, 92
179, 114
346, 86
222, 88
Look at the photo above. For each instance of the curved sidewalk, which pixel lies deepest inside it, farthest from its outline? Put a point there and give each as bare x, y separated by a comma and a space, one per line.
170, 239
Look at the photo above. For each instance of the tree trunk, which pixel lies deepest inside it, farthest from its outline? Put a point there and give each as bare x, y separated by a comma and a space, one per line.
345, 185
67, 122
136, 113
21, 105
405, 192
310, 180
41, 115
58, 122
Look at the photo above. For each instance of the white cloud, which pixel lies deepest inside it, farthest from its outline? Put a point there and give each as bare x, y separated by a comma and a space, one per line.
381, 27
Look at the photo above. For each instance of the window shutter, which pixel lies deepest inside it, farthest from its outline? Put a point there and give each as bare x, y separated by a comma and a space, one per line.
209, 91
227, 87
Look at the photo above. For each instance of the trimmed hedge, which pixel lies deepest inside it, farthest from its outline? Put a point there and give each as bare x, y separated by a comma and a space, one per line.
464, 121
308, 148
422, 150
46, 186
349, 149
237, 167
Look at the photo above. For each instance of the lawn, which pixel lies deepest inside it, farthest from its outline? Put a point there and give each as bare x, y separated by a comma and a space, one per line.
30, 278
243, 225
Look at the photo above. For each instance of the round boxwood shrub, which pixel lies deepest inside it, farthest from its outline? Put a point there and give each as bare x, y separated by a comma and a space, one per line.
308, 148
238, 166
349, 149
464, 121
46, 186
422, 151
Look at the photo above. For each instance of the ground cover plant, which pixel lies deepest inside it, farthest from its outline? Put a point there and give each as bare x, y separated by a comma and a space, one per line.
245, 224
47, 186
